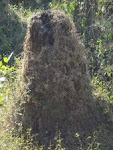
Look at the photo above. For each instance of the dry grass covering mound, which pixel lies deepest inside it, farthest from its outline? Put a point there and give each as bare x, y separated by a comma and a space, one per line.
55, 74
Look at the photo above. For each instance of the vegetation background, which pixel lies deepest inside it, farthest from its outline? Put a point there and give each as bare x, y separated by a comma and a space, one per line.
94, 22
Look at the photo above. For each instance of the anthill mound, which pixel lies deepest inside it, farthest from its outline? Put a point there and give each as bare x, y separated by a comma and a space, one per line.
56, 79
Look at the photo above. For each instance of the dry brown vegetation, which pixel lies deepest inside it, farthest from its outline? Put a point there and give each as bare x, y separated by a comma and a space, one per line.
56, 79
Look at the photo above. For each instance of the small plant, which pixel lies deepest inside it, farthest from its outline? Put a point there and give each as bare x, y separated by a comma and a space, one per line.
91, 142
59, 143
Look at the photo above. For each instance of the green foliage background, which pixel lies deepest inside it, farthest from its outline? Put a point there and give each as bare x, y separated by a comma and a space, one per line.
94, 23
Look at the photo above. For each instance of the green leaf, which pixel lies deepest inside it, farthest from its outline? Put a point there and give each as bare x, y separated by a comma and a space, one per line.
72, 7
109, 74
4, 72
77, 135
111, 97
3, 67
0, 63
5, 59
89, 137
1, 100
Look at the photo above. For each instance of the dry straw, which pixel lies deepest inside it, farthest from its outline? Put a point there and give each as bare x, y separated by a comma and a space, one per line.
58, 84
